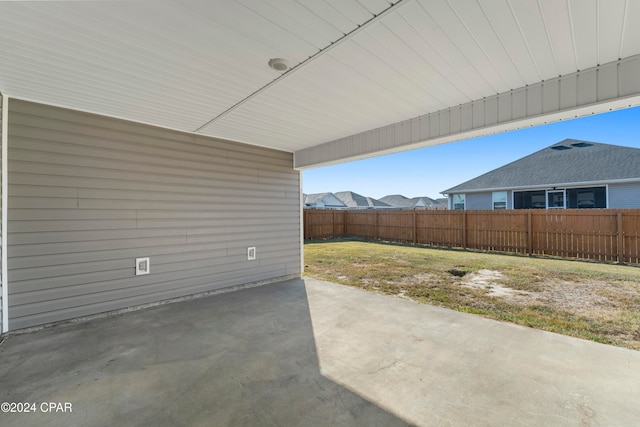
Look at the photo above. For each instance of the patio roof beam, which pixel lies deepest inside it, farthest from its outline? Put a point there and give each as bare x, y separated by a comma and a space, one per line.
595, 90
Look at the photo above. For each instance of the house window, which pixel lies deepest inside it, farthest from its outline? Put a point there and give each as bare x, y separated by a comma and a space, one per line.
555, 199
499, 200
458, 201
590, 197
529, 199
572, 198
585, 199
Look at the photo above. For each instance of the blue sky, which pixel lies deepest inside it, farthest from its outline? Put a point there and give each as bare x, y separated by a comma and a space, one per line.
427, 171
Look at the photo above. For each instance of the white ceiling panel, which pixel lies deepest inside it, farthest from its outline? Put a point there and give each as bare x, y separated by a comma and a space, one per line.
331, 15
558, 24
292, 19
611, 21
501, 16
630, 42
437, 49
487, 39
465, 41
202, 65
584, 23
419, 61
528, 16
359, 12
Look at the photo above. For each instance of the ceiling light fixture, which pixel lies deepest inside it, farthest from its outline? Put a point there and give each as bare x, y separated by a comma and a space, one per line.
279, 64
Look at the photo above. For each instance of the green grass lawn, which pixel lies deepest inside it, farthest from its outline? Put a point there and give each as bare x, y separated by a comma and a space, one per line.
599, 302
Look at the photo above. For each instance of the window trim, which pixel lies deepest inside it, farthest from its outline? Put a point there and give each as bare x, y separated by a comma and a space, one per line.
566, 191
464, 202
493, 201
564, 198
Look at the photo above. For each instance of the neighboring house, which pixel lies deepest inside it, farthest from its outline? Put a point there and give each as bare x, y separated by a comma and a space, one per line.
569, 174
401, 202
356, 201
323, 201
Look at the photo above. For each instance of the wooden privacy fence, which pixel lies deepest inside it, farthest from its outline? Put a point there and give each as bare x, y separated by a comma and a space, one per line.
596, 234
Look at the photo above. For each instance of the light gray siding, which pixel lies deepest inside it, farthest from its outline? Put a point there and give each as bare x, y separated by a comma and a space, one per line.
624, 196
478, 201
482, 201
89, 194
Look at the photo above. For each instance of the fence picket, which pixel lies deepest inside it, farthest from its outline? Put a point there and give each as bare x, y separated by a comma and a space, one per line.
597, 234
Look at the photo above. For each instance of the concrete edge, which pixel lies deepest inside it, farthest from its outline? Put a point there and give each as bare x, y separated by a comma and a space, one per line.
119, 311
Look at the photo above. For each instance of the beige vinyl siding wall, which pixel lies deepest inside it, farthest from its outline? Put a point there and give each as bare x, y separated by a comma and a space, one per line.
89, 194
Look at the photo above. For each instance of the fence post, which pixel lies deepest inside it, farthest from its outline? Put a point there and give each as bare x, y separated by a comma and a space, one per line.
376, 234
529, 234
415, 228
464, 229
345, 223
333, 224
620, 238
305, 220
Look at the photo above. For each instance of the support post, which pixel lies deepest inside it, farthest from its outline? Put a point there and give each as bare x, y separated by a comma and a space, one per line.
4, 206
305, 224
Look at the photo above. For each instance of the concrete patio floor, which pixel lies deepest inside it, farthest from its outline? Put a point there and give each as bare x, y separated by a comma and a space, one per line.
310, 353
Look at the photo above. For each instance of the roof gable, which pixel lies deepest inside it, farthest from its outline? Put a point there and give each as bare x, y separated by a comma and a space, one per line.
355, 200
400, 201
423, 202
328, 199
396, 200
566, 162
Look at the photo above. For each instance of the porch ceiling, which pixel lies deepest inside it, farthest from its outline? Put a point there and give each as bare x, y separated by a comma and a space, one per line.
201, 66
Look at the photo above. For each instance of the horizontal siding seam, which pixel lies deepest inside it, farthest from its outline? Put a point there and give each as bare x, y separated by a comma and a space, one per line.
117, 165
115, 126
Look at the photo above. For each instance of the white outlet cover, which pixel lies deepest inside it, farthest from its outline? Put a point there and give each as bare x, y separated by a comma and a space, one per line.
251, 253
142, 266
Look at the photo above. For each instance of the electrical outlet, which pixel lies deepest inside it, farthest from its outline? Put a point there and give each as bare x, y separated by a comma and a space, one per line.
142, 266
251, 253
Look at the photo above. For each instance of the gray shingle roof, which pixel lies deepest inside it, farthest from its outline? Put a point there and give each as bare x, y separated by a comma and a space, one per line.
355, 200
397, 201
424, 201
567, 162
317, 197
400, 201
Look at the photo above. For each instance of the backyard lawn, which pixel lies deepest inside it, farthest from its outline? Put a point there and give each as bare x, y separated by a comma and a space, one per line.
599, 302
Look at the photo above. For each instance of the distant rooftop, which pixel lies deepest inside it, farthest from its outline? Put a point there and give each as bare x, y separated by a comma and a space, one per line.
400, 201
567, 162
349, 199
355, 200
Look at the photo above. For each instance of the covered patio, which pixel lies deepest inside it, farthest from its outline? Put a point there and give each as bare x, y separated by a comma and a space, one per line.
151, 151
309, 353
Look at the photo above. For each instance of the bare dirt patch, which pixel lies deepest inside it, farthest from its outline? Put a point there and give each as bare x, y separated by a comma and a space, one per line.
489, 280
580, 297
